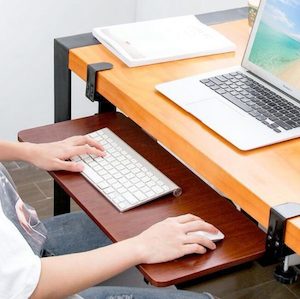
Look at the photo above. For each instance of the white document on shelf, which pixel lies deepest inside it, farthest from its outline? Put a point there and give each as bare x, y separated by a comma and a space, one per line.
162, 40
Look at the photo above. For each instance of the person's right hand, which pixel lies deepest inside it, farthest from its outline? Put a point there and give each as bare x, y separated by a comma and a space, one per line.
170, 239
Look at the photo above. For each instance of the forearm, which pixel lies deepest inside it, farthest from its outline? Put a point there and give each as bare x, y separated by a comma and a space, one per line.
14, 151
66, 275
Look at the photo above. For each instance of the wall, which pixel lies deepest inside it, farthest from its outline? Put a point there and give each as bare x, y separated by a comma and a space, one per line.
151, 9
27, 30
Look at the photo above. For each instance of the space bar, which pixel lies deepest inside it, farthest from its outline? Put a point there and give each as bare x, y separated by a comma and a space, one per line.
236, 102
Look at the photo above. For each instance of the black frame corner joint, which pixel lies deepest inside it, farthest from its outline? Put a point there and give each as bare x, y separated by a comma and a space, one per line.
275, 246
92, 69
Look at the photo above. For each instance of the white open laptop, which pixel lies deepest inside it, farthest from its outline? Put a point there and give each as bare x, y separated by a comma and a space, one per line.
258, 103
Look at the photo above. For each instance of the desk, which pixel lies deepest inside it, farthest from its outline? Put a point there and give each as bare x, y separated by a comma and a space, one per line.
244, 241
255, 180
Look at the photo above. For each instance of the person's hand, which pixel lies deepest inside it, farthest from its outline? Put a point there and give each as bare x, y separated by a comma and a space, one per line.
171, 239
53, 156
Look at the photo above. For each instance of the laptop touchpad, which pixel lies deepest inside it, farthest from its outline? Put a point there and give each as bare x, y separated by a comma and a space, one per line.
215, 109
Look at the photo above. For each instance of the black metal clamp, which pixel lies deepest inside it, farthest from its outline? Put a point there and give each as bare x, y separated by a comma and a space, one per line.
276, 250
275, 247
92, 70
91, 91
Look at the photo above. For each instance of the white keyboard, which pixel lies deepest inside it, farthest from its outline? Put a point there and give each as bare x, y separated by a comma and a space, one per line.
123, 176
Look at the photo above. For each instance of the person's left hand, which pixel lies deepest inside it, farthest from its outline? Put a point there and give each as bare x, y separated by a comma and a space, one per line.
53, 156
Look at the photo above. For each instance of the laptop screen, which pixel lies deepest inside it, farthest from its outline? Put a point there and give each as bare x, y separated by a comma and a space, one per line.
273, 52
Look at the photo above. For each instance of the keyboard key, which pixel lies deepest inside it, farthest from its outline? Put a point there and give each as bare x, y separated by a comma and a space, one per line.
102, 172
261, 117
166, 188
107, 177
111, 181
134, 180
139, 195
109, 190
103, 185
97, 168
291, 123
140, 175
145, 189
93, 175
123, 205
254, 113
221, 78
135, 170
157, 189
117, 185
150, 193
283, 125
122, 180
151, 184
122, 190
124, 171
127, 184
145, 179
139, 185
130, 198
117, 175
132, 189
237, 102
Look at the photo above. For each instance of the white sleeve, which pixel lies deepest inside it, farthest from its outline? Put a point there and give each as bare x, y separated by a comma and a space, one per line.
19, 267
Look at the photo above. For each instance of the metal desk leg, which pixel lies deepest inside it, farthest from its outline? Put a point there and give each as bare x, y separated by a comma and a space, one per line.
62, 97
62, 203
62, 111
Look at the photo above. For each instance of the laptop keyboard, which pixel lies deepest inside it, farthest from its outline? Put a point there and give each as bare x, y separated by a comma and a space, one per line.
258, 101
124, 177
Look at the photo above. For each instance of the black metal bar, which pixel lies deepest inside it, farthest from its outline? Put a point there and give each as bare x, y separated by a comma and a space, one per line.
223, 16
104, 106
62, 203
62, 74
62, 98
62, 83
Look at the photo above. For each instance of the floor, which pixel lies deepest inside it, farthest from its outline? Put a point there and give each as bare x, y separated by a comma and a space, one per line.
249, 281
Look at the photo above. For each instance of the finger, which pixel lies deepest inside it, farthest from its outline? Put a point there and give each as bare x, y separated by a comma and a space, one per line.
194, 248
82, 140
187, 218
197, 225
194, 239
86, 149
70, 166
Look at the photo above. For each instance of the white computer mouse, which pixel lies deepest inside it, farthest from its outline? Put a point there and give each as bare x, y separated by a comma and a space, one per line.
213, 237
